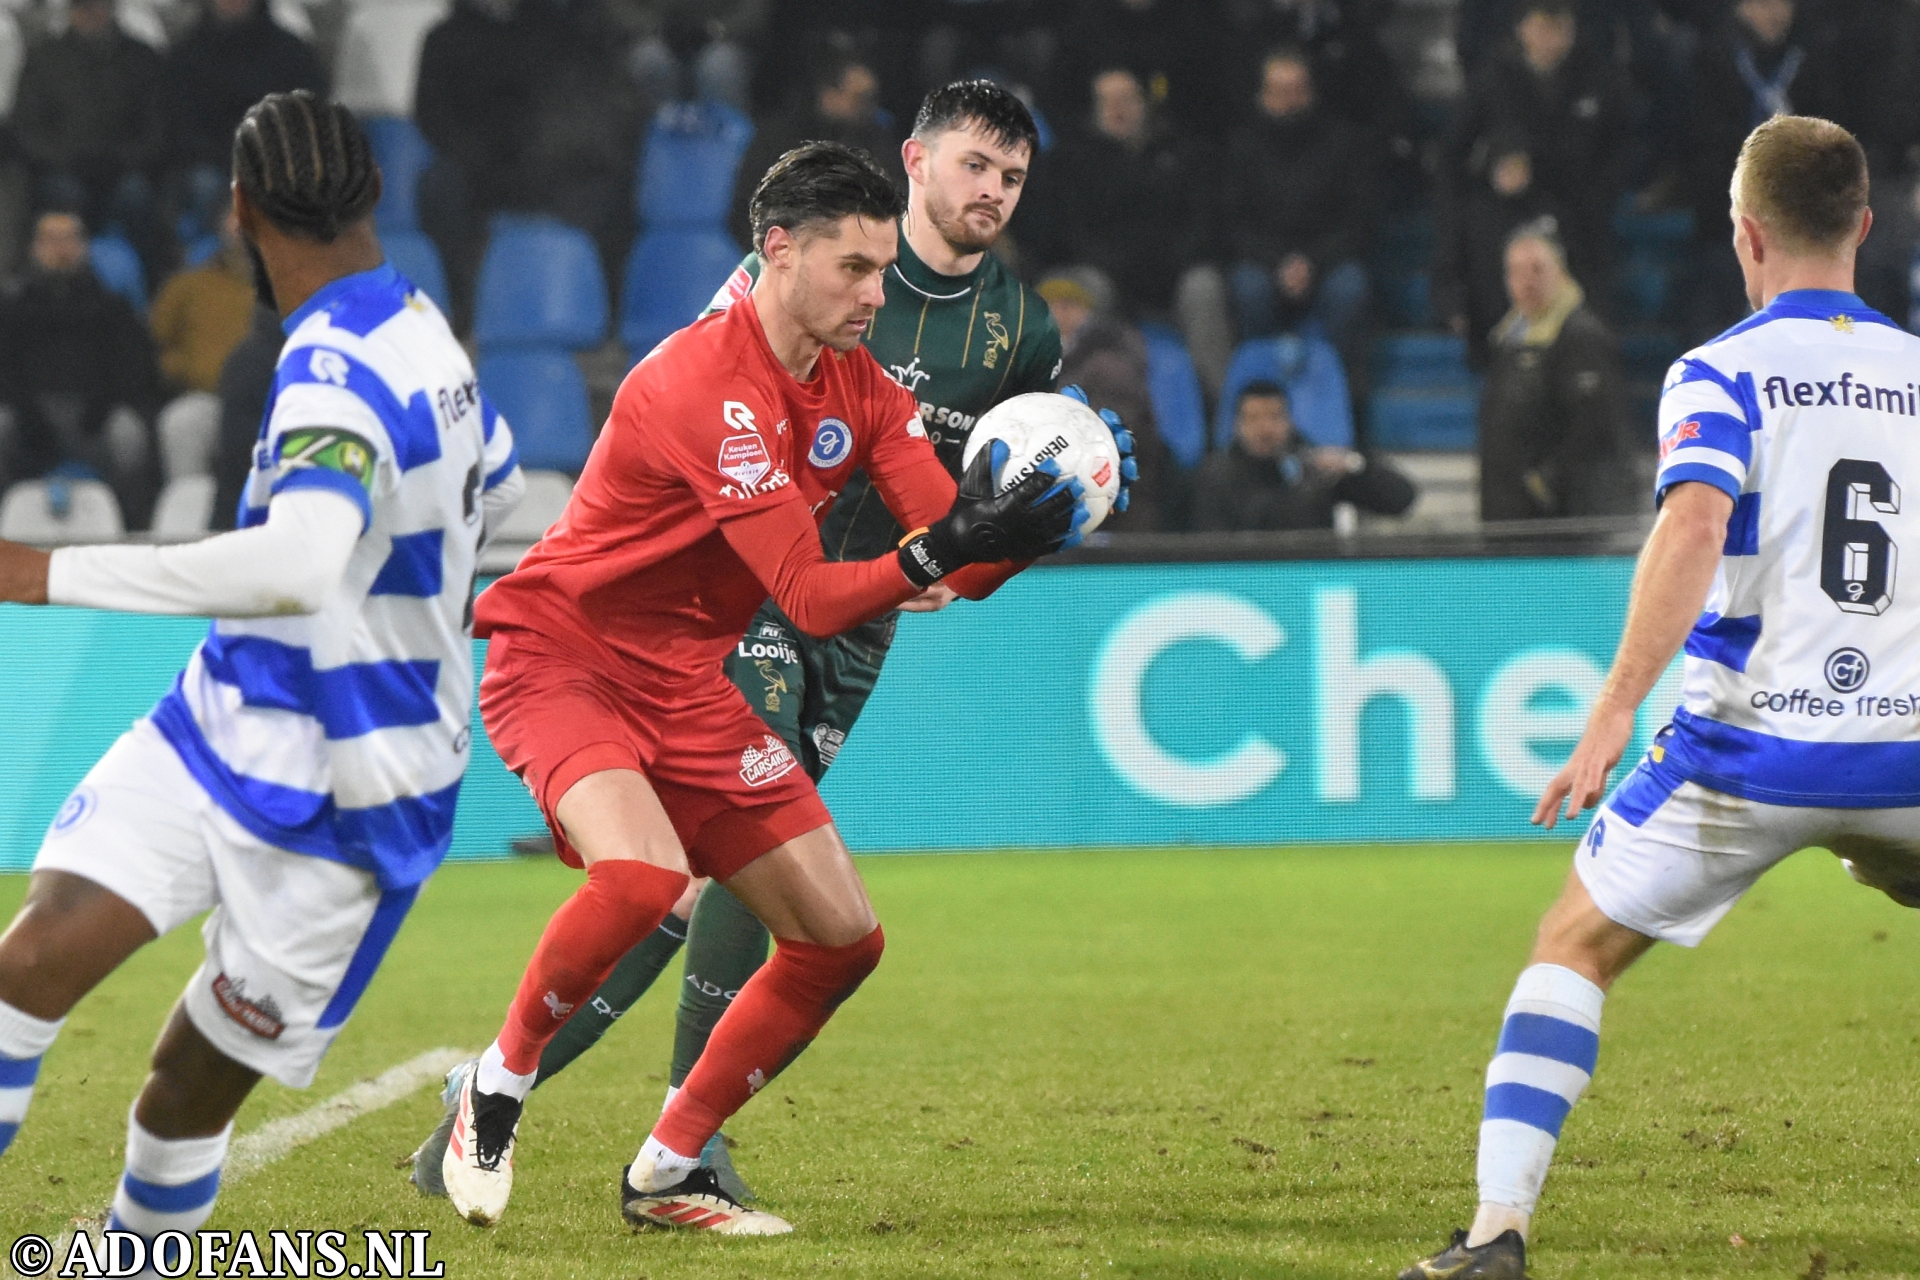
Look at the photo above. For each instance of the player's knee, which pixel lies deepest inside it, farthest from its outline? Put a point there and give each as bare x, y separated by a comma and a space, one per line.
854, 963
636, 889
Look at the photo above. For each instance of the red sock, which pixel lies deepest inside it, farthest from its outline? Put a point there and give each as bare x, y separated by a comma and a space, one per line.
775, 1016
621, 903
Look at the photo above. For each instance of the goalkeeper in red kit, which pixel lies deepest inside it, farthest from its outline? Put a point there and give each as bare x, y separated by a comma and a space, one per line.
605, 688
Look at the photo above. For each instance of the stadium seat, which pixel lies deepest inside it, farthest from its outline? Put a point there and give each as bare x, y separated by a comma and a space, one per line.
402, 155
1179, 409
1424, 395
543, 397
1424, 419
546, 497
414, 256
118, 267
1316, 382
185, 508
670, 279
1424, 360
687, 171
540, 285
199, 250
378, 66
60, 510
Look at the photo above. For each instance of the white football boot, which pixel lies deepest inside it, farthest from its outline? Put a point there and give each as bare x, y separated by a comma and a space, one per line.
478, 1165
696, 1203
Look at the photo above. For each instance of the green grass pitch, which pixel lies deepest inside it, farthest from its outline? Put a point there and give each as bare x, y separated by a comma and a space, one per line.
1142, 1064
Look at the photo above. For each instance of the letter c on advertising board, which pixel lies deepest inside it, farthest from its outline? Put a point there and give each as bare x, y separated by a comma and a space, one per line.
1120, 727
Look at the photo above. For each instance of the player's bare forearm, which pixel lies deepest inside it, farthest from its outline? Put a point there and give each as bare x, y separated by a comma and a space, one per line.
1669, 591
23, 574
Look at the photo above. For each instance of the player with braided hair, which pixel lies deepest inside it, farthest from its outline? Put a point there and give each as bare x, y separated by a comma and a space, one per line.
306, 165
300, 778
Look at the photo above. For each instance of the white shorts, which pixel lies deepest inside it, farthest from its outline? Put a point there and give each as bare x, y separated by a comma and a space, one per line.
293, 940
1668, 858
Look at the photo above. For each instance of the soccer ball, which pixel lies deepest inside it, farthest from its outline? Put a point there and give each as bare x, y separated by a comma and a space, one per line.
1042, 426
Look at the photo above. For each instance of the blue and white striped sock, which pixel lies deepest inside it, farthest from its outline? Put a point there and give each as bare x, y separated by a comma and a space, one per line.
24, 1040
1548, 1046
170, 1184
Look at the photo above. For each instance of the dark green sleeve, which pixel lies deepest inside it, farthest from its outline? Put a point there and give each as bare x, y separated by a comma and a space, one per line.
1038, 363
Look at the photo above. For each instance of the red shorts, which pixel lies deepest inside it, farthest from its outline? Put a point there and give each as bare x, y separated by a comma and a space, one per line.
730, 786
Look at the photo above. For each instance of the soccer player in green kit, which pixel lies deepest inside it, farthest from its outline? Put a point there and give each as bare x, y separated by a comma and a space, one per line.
962, 334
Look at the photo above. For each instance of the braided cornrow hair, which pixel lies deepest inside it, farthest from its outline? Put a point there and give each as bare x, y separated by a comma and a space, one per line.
305, 163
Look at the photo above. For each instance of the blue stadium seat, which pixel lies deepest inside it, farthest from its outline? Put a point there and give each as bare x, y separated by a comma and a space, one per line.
199, 249
687, 171
543, 397
540, 285
1421, 360
402, 154
118, 267
414, 256
1179, 411
671, 278
1670, 230
1424, 419
1316, 382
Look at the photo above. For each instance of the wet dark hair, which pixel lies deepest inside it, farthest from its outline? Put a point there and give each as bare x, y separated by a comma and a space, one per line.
978, 102
819, 182
305, 164
1261, 389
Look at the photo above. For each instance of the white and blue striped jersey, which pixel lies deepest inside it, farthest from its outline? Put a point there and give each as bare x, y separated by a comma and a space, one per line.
343, 734
1803, 676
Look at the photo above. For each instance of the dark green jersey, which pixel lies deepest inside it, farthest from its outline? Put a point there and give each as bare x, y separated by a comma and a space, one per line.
961, 344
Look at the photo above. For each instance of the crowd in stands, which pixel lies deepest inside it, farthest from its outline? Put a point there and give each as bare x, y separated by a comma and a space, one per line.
1241, 210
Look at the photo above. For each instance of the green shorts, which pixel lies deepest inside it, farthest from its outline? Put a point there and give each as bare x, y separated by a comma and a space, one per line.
809, 691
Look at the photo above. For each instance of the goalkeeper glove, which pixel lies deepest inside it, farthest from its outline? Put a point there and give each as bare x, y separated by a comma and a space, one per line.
1122, 441
1035, 517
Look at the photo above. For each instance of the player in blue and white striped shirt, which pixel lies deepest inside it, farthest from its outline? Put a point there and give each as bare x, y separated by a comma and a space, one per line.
1784, 446
300, 778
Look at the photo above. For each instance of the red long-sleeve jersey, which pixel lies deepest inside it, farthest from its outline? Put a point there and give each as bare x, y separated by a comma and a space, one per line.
704, 495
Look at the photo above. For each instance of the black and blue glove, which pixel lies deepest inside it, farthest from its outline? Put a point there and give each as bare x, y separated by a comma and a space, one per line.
1036, 517
1122, 441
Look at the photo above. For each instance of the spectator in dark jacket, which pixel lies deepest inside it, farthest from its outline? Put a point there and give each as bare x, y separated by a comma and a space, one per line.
1354, 76
78, 377
234, 57
1299, 209
1268, 478
1759, 62
844, 106
1131, 196
1567, 100
246, 380
1470, 242
528, 110
1180, 50
1107, 358
1552, 418
87, 118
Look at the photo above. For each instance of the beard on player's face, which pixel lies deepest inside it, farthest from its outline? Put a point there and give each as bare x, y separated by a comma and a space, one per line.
262, 282
952, 222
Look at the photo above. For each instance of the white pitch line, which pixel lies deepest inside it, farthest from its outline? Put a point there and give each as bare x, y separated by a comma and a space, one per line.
278, 1139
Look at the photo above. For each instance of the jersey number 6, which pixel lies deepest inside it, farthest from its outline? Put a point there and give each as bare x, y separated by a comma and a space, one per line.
1857, 557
